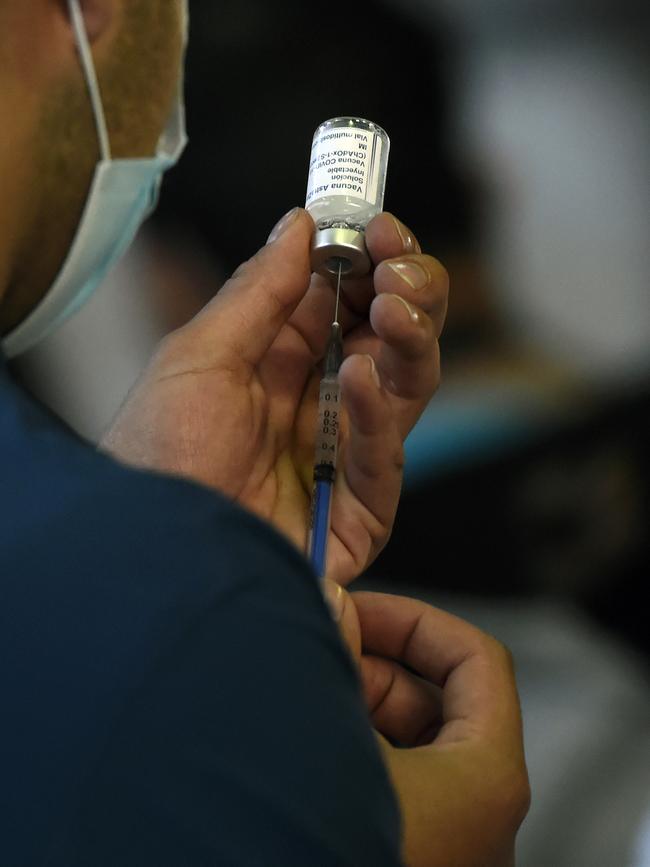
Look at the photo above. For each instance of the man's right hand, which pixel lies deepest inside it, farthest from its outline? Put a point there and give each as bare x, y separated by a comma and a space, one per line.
461, 780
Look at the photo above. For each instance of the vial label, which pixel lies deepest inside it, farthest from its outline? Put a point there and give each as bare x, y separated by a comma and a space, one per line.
345, 161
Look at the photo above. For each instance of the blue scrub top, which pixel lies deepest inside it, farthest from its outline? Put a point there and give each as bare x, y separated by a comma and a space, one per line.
173, 689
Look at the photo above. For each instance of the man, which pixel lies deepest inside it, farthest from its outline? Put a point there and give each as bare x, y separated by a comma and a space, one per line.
174, 690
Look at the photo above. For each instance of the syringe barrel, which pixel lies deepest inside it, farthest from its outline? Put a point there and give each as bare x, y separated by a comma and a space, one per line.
329, 419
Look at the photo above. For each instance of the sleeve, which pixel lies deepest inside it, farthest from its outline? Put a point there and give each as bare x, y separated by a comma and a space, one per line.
248, 744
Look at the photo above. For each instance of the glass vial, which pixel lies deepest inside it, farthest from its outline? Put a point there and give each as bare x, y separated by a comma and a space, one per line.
347, 180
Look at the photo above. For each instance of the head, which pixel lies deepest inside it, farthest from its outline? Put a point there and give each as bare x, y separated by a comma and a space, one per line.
49, 145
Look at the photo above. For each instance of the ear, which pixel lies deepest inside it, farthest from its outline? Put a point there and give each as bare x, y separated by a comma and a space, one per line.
98, 16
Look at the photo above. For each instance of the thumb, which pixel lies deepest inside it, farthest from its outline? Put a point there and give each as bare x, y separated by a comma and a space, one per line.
247, 314
344, 612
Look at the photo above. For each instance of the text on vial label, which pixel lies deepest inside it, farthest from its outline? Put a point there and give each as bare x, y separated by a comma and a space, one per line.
345, 162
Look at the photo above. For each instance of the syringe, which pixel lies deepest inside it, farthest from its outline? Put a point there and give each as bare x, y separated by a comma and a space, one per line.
327, 437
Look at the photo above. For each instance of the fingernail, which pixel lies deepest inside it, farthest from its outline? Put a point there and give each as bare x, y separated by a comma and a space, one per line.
411, 273
283, 225
408, 241
415, 316
333, 594
374, 371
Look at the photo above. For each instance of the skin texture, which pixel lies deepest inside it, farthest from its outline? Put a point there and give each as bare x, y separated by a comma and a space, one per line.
460, 773
255, 350
49, 152
229, 400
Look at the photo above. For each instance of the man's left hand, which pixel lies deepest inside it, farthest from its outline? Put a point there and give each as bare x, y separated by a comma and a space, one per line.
230, 399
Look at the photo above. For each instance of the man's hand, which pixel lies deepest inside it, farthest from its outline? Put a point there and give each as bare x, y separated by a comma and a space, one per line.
446, 691
230, 399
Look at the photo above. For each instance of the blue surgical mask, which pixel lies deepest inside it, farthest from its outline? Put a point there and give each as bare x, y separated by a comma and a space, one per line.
122, 195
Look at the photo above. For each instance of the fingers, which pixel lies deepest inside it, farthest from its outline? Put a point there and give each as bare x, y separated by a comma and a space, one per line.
474, 671
386, 238
406, 303
409, 358
408, 316
244, 319
402, 706
373, 463
400, 268
401, 339
421, 281
345, 615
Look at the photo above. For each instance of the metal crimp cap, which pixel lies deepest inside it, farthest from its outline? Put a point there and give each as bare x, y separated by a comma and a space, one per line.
332, 247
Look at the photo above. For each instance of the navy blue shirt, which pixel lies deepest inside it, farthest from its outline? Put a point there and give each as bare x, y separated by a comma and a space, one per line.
173, 691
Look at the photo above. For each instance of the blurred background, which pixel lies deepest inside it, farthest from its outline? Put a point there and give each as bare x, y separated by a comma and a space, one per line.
521, 157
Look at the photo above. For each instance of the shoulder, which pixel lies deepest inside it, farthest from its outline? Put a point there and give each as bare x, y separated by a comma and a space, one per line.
65, 503
63, 497
85, 537
250, 711
165, 659
105, 574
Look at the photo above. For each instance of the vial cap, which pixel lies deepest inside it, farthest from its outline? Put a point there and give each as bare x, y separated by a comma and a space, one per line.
337, 246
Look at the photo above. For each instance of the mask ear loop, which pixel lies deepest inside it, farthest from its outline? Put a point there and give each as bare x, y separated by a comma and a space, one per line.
85, 54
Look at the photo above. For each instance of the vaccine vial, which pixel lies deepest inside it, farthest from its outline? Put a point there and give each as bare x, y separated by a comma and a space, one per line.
347, 181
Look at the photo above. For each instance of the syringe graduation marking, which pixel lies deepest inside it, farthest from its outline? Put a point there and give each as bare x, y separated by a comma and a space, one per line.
329, 408
329, 413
